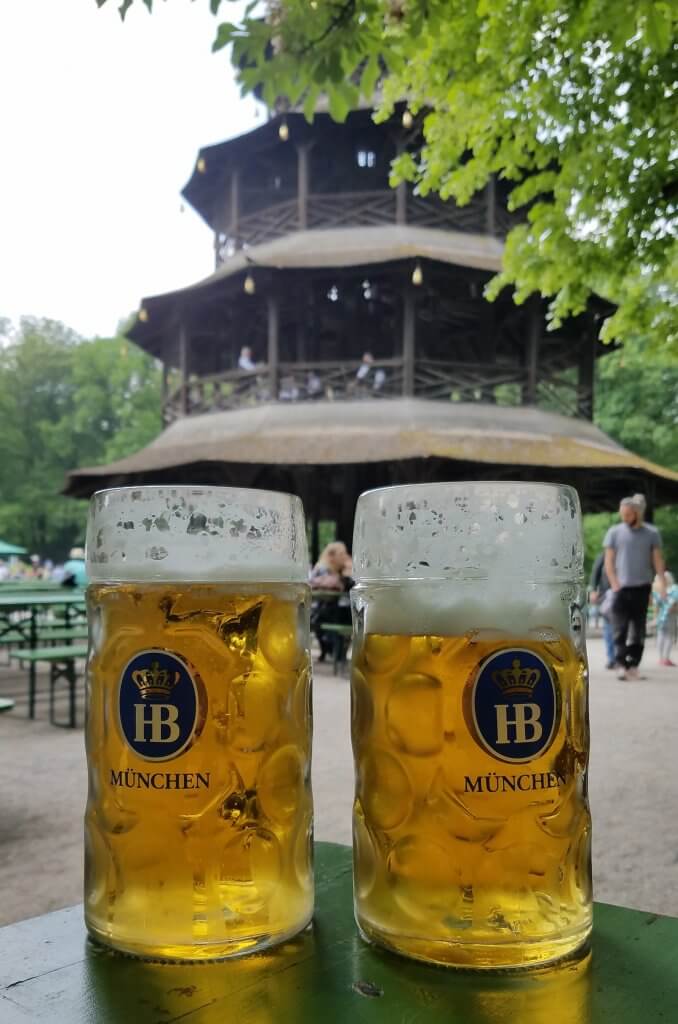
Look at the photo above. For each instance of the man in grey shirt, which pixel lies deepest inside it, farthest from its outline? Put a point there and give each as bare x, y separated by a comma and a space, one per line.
632, 557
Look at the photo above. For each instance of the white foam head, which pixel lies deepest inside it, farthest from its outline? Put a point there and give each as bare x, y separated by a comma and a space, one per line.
451, 557
199, 534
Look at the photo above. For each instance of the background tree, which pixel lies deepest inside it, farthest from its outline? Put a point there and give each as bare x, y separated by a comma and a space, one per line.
64, 403
637, 405
572, 101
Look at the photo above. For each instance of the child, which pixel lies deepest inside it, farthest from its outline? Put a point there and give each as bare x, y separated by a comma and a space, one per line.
666, 612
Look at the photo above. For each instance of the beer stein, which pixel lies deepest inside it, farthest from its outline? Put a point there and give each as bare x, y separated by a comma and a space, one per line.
470, 724
199, 814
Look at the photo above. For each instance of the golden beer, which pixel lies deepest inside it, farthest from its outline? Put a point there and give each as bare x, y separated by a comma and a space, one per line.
199, 816
455, 850
472, 830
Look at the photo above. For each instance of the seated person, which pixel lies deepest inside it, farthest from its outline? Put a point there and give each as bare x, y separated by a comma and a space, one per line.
332, 571
245, 361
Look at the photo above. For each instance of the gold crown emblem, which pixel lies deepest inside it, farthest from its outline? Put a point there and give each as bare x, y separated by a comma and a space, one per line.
155, 680
516, 679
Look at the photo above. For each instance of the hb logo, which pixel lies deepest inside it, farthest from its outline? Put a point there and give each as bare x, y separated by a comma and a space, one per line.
514, 706
158, 705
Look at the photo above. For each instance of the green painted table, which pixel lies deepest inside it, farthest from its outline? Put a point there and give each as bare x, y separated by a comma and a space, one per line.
49, 972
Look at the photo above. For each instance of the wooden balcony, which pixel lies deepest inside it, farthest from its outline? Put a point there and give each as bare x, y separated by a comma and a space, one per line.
387, 379
360, 209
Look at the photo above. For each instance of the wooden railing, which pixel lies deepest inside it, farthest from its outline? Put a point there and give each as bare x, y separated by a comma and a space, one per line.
346, 380
359, 209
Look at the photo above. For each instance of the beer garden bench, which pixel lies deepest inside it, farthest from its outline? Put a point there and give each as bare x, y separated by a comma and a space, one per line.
47, 633
61, 661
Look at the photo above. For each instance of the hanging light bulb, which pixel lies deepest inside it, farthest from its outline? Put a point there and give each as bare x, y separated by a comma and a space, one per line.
249, 286
143, 315
283, 131
417, 275
408, 120
201, 166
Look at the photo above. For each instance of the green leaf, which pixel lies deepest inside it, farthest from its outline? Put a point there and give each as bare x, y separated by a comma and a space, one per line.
310, 101
658, 30
370, 77
226, 33
338, 106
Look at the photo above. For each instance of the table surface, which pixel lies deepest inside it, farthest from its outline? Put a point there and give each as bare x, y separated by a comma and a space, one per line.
50, 972
35, 599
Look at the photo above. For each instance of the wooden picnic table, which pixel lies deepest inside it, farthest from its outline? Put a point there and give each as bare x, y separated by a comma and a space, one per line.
32, 604
49, 972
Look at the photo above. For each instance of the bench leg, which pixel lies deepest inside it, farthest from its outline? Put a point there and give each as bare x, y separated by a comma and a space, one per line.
71, 693
31, 690
52, 685
65, 670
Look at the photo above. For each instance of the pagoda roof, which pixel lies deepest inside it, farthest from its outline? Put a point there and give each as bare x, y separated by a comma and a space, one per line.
326, 433
207, 179
333, 248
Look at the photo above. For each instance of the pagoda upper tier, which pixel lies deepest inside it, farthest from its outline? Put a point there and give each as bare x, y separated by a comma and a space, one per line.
289, 175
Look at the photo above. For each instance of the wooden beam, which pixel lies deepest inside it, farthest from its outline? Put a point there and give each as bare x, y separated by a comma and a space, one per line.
273, 321
303, 185
184, 366
401, 194
234, 227
409, 341
491, 207
534, 330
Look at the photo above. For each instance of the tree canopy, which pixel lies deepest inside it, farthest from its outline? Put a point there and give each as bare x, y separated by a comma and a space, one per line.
637, 405
572, 102
65, 402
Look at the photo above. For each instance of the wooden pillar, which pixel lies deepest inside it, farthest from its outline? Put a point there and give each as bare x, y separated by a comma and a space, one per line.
650, 491
401, 197
313, 511
301, 337
183, 366
409, 341
585, 374
491, 207
349, 496
303, 185
534, 329
165, 389
234, 227
273, 313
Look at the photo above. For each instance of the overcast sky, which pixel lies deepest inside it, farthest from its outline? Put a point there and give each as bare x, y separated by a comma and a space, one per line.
100, 124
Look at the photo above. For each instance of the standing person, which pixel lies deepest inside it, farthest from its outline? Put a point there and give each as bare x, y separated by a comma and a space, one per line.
632, 557
599, 586
666, 610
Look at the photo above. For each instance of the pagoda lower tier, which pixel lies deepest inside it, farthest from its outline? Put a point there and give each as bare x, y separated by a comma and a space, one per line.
329, 452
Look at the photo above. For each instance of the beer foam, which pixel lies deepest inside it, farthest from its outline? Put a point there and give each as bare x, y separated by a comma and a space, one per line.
443, 608
514, 533
198, 534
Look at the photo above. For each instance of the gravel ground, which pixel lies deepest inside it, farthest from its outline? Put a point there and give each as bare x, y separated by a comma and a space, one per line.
634, 767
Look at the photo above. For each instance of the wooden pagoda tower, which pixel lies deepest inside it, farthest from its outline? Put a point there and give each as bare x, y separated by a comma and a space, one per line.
343, 340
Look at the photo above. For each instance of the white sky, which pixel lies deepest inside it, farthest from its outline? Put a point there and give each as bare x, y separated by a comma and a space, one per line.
100, 125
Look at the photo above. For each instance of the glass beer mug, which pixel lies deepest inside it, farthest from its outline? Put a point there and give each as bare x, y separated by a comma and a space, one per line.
199, 814
471, 823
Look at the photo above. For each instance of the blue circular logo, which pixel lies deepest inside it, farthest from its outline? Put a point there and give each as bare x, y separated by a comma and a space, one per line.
158, 705
514, 705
